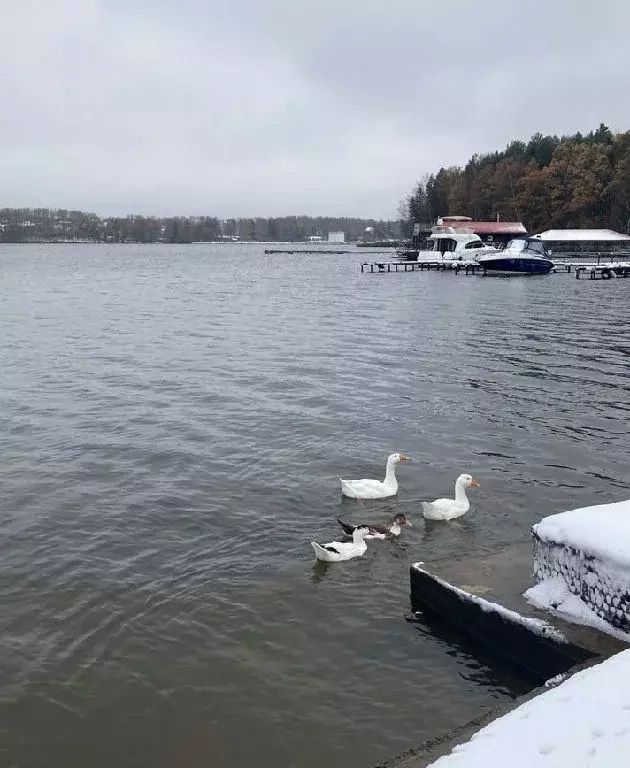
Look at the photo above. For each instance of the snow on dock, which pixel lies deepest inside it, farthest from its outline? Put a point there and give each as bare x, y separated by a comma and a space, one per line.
603, 271
584, 721
455, 265
582, 565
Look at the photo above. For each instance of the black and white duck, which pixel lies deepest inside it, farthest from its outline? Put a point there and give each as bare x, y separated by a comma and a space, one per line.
380, 530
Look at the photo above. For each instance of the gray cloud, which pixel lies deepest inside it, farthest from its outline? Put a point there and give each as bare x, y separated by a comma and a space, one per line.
243, 107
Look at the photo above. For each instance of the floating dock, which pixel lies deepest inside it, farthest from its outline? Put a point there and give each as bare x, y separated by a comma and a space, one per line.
382, 244
269, 251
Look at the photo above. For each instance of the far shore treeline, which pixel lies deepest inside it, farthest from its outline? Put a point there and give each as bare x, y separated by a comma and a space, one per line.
579, 181
574, 181
547, 183
28, 225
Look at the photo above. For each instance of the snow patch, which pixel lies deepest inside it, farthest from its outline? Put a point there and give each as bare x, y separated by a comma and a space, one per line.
584, 721
602, 531
590, 235
554, 595
589, 549
553, 681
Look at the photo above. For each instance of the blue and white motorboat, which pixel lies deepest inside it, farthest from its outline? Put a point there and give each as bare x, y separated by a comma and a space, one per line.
521, 256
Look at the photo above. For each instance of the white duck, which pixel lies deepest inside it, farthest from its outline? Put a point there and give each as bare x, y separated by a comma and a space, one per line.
375, 489
335, 551
449, 509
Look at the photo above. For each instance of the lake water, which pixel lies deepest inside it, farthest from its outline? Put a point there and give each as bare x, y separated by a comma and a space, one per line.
173, 424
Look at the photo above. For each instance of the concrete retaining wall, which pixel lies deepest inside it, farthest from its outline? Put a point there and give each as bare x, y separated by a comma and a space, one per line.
600, 585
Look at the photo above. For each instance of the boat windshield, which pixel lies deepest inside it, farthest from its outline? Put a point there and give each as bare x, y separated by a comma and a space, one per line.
537, 247
516, 245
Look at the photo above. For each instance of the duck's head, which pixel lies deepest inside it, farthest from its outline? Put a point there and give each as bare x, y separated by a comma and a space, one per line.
402, 521
397, 458
468, 481
360, 533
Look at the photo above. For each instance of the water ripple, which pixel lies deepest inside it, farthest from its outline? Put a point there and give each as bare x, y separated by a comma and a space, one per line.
173, 423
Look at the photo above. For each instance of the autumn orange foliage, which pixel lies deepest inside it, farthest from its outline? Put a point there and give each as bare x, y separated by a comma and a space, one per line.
547, 183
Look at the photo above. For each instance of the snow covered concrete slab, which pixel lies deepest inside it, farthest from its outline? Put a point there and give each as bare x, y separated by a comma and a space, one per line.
553, 595
584, 721
534, 646
537, 626
587, 550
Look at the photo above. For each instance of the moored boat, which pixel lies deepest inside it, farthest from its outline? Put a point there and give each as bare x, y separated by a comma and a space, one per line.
521, 256
449, 244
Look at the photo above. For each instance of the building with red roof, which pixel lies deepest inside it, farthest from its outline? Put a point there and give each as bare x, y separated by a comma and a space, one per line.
490, 231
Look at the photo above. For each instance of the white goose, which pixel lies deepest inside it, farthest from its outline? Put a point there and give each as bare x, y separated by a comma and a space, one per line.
335, 551
449, 509
375, 489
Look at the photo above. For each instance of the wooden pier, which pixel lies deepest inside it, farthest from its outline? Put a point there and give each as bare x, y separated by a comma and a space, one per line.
452, 265
600, 270
302, 250
603, 271
594, 271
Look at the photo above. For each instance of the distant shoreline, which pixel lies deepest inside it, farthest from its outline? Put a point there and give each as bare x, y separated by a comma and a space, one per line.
324, 245
47, 225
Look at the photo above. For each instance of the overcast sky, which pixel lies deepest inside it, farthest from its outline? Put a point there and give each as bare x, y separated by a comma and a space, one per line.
272, 107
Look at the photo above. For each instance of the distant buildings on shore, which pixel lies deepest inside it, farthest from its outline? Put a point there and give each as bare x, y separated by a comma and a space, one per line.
58, 225
334, 236
50, 225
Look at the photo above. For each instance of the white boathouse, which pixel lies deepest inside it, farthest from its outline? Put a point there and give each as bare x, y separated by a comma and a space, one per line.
585, 241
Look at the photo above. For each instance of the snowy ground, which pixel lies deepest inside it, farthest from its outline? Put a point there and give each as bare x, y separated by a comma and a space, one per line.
553, 595
584, 722
582, 564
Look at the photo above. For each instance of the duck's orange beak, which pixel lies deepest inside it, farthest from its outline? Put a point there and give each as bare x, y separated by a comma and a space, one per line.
474, 484
408, 524
403, 457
